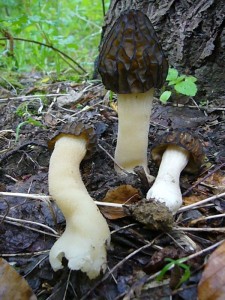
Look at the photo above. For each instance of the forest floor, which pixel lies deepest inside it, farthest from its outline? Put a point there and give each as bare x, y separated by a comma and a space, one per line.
136, 254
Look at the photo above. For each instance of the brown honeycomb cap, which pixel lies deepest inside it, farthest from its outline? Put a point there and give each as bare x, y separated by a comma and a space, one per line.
131, 59
184, 140
76, 129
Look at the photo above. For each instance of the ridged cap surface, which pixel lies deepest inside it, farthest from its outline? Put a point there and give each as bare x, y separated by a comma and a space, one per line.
131, 59
184, 140
76, 129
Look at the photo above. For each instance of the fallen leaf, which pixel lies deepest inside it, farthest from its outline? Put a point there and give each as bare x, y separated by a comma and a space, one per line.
216, 182
123, 194
212, 283
72, 97
12, 285
193, 199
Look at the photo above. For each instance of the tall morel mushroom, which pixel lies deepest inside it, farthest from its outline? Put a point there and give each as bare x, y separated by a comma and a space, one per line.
174, 152
131, 64
84, 240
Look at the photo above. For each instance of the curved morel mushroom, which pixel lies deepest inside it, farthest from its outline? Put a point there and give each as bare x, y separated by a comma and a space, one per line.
131, 64
175, 152
84, 240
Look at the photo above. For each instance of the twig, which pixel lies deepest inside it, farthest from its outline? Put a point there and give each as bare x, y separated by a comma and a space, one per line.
112, 158
206, 229
195, 205
37, 264
24, 195
206, 218
31, 228
67, 284
122, 228
24, 254
31, 96
49, 198
109, 204
29, 222
51, 47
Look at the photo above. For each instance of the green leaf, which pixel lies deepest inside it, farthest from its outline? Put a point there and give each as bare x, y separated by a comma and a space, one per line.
185, 276
172, 74
186, 87
167, 267
165, 96
18, 129
33, 122
191, 78
179, 79
170, 265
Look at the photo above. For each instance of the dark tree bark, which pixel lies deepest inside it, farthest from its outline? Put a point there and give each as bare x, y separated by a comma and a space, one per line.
192, 34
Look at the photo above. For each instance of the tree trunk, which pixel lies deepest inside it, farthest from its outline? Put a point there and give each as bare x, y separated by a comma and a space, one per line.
192, 34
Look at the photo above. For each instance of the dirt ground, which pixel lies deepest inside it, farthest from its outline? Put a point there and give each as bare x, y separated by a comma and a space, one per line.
136, 253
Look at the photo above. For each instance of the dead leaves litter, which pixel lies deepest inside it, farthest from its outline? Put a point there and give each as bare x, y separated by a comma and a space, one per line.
123, 194
212, 283
13, 285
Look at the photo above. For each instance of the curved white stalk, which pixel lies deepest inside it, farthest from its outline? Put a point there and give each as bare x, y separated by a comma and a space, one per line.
134, 112
166, 188
84, 241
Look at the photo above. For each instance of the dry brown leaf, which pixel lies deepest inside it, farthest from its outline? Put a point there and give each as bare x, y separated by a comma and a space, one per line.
216, 181
212, 283
192, 199
123, 194
12, 285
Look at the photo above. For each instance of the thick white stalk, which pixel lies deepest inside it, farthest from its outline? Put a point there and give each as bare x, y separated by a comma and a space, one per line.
84, 240
166, 188
134, 112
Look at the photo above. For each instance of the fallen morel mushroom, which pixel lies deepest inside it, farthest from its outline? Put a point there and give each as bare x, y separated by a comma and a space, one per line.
84, 240
175, 152
131, 64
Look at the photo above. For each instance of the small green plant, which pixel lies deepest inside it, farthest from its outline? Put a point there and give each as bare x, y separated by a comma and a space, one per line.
27, 112
171, 264
182, 84
203, 103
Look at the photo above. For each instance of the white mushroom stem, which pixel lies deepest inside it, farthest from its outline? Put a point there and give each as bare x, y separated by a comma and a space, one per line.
84, 240
134, 112
166, 188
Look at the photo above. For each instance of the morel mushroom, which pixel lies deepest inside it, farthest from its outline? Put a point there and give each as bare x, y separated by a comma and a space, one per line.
84, 240
131, 64
175, 152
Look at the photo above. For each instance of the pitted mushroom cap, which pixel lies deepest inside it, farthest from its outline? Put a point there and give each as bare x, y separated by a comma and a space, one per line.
184, 140
131, 59
79, 130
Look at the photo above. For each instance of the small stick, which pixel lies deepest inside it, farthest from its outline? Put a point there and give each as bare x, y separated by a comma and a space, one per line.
31, 228
24, 195
207, 218
112, 158
29, 222
207, 229
195, 205
24, 254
